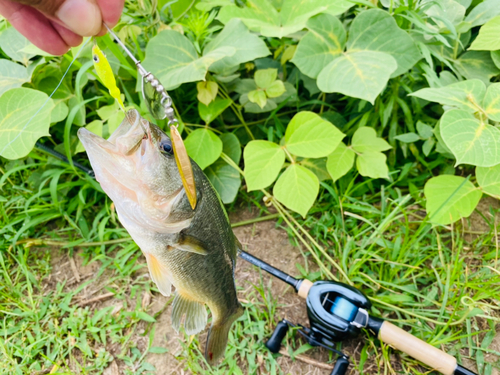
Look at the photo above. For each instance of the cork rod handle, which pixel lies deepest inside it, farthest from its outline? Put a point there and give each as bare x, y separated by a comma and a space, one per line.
418, 349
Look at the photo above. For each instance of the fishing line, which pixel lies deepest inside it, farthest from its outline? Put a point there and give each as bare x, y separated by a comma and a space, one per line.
50, 97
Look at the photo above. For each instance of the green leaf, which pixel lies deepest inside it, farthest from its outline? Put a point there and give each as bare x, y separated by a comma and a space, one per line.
262, 16
318, 167
59, 113
462, 95
12, 75
489, 180
276, 89
231, 146
470, 140
12, 43
373, 29
94, 127
254, 107
247, 46
263, 162
321, 45
428, 146
310, 136
491, 102
157, 350
109, 110
174, 59
225, 179
114, 121
483, 12
207, 91
210, 112
340, 161
258, 97
146, 317
488, 39
476, 64
203, 146
372, 164
408, 137
365, 140
362, 74
20, 124
265, 77
450, 198
425, 131
297, 188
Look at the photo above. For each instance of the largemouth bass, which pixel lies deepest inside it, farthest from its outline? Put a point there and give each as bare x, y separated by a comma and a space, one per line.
195, 250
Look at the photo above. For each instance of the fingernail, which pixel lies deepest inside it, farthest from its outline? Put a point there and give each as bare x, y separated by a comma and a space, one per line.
81, 16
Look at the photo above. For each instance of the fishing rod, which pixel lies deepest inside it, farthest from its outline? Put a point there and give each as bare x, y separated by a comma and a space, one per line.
338, 311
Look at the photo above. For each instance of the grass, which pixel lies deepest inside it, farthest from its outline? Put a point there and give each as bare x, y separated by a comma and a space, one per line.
442, 284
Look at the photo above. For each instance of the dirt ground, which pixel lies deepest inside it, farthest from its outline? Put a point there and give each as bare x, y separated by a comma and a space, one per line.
263, 240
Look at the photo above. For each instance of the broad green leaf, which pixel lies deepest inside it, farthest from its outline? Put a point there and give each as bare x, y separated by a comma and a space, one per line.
254, 107
310, 136
12, 75
365, 140
231, 146
321, 45
318, 167
258, 97
20, 124
276, 89
428, 146
210, 112
483, 12
450, 198
59, 113
174, 59
94, 127
109, 110
225, 179
208, 5
464, 95
408, 137
263, 17
372, 164
143, 316
264, 77
477, 64
203, 146
377, 30
263, 162
470, 140
207, 91
114, 121
12, 43
362, 74
446, 13
297, 188
489, 180
425, 131
495, 57
247, 46
488, 39
491, 103
340, 161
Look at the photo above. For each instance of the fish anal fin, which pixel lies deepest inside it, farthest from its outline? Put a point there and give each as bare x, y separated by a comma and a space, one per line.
159, 275
191, 244
195, 312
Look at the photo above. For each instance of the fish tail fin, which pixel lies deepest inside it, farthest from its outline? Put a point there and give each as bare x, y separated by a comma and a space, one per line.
195, 312
217, 336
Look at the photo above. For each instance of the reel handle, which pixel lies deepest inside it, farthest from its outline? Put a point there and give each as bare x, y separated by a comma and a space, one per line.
420, 350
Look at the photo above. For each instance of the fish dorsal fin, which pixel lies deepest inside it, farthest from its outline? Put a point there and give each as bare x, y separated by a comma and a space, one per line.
191, 244
195, 312
159, 275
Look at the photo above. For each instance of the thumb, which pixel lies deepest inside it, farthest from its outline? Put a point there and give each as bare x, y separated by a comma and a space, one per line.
83, 17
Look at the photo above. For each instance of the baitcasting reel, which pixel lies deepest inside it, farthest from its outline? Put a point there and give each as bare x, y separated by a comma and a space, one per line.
338, 311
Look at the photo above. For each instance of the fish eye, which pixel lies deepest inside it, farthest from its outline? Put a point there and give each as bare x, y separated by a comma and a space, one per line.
96, 58
166, 147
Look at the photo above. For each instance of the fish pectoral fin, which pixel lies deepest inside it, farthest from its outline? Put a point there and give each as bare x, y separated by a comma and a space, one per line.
195, 312
191, 244
159, 275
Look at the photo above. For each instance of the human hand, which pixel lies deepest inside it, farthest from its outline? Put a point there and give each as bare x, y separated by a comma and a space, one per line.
56, 25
